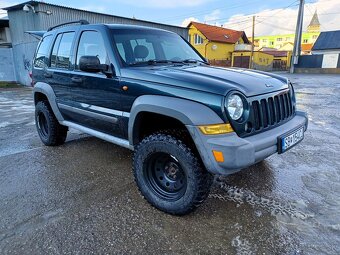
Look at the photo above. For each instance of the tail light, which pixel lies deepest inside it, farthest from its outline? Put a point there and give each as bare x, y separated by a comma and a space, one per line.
32, 82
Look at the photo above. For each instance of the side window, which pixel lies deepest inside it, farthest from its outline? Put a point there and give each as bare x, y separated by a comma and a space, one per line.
55, 51
41, 58
61, 52
147, 44
92, 44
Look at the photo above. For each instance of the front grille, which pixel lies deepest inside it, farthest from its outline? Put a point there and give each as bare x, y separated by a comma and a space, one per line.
271, 111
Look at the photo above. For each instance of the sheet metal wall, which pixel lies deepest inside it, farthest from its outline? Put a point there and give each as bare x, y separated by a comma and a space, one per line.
24, 45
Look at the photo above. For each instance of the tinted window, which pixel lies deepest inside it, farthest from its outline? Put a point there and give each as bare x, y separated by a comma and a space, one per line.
145, 43
41, 58
91, 44
121, 51
153, 45
55, 51
62, 50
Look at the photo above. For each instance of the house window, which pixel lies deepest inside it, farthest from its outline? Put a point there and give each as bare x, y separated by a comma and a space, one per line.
279, 39
198, 39
264, 40
305, 40
271, 43
288, 39
315, 36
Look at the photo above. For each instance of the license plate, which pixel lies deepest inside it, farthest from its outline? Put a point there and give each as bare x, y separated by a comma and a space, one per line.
287, 141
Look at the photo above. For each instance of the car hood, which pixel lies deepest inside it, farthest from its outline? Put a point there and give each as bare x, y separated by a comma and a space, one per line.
210, 79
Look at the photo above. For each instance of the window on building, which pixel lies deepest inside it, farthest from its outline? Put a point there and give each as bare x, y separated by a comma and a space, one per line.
315, 37
41, 57
264, 40
61, 52
305, 40
288, 38
279, 39
198, 39
271, 43
92, 44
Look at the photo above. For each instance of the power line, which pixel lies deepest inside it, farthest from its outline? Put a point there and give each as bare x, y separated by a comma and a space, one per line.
171, 18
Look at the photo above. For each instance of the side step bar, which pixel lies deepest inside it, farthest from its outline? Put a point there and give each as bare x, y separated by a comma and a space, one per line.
112, 139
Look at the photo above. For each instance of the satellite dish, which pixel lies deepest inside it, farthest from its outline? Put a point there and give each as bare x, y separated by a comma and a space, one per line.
214, 47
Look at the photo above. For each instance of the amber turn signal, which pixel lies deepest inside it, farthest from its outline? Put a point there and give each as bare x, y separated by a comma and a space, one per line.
216, 129
218, 156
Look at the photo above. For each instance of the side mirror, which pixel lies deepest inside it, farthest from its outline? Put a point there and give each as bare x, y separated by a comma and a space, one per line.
92, 64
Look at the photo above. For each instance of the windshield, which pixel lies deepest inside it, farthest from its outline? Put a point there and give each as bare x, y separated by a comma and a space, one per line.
142, 47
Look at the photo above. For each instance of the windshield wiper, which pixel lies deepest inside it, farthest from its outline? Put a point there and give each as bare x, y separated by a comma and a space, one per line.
194, 61
154, 61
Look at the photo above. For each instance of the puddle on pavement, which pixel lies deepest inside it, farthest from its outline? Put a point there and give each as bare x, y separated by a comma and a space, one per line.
274, 207
290, 217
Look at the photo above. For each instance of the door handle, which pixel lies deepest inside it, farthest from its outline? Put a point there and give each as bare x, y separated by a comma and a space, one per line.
47, 75
77, 79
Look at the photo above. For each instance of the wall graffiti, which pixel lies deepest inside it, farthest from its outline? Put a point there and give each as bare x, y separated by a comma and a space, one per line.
27, 63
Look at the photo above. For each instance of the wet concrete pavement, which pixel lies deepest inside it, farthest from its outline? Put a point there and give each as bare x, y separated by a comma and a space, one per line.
80, 198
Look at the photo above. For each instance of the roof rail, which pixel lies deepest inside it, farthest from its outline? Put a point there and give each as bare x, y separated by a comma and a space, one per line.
81, 22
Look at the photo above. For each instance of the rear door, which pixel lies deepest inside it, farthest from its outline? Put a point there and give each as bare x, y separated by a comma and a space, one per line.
58, 72
96, 96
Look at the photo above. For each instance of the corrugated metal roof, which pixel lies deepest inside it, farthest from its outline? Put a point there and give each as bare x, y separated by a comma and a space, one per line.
35, 3
329, 40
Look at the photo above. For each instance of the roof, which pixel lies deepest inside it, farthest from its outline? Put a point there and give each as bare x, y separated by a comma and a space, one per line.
329, 40
267, 49
220, 34
315, 20
277, 53
35, 3
306, 46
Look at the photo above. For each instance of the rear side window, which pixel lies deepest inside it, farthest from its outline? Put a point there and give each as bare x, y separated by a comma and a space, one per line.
61, 52
41, 58
92, 44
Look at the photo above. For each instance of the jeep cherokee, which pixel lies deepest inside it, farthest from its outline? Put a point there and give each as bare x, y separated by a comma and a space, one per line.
150, 91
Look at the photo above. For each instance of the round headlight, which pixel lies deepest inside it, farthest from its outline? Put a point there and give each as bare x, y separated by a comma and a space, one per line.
235, 106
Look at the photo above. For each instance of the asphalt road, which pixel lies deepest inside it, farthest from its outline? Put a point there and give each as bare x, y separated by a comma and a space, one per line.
80, 198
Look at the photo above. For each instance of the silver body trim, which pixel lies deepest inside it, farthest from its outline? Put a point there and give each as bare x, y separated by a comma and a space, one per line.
98, 134
104, 110
88, 113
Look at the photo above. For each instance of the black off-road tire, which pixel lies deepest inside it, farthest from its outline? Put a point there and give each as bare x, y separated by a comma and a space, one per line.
50, 131
154, 155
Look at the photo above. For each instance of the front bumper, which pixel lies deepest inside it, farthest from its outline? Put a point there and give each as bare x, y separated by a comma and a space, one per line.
239, 152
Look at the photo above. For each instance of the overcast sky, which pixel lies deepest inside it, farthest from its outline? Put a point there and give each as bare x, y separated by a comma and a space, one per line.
272, 17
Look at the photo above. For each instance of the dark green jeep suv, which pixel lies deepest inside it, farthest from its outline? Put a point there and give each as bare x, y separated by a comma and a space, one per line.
150, 91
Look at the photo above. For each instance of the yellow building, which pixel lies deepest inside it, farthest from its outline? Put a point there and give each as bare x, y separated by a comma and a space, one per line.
217, 43
261, 60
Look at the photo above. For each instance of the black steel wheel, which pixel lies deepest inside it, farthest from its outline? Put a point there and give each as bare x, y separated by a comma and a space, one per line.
51, 133
165, 176
169, 175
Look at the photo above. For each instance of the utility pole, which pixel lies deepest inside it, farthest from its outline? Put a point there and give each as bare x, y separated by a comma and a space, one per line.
252, 45
298, 37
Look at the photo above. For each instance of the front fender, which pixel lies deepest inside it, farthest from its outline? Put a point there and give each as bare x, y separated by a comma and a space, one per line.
186, 111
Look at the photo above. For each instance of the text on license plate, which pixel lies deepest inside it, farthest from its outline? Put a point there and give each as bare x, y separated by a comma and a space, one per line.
292, 139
